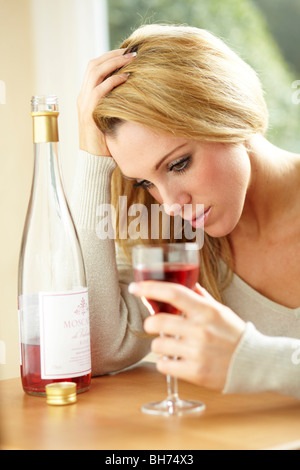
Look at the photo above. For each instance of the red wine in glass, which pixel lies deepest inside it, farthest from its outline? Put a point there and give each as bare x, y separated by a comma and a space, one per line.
178, 263
181, 273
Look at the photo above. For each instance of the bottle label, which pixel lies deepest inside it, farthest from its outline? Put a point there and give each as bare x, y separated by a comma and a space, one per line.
64, 334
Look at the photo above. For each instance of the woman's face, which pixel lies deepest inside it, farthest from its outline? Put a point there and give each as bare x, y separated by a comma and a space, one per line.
180, 172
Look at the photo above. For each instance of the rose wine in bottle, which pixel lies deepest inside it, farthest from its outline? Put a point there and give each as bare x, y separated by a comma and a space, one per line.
52, 293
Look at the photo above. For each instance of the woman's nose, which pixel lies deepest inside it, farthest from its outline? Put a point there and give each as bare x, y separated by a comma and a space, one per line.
173, 200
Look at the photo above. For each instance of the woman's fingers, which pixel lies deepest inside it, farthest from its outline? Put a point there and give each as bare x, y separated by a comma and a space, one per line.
109, 84
203, 338
98, 61
97, 71
165, 324
94, 88
201, 291
176, 345
111, 65
95, 84
104, 57
185, 300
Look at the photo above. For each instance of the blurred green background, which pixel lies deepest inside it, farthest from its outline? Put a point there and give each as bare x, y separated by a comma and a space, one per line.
265, 33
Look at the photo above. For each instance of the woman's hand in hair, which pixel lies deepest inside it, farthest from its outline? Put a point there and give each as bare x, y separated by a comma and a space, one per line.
95, 86
203, 338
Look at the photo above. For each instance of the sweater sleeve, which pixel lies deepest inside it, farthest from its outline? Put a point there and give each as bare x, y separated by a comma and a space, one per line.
264, 363
117, 339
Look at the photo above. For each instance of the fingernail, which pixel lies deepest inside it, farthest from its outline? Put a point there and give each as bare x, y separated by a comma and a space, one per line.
133, 288
130, 54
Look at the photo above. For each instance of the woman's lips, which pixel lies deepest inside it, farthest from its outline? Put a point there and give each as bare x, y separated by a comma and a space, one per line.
200, 220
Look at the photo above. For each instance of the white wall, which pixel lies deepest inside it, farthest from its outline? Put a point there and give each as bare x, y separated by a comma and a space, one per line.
67, 34
44, 48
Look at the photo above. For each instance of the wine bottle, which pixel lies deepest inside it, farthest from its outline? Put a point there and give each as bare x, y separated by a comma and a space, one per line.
52, 290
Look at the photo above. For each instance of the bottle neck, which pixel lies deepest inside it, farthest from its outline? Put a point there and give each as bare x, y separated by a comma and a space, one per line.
45, 138
45, 127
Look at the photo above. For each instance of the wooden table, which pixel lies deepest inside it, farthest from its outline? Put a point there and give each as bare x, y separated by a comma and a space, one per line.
109, 417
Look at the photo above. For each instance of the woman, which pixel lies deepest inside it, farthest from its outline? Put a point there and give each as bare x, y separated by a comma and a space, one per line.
185, 118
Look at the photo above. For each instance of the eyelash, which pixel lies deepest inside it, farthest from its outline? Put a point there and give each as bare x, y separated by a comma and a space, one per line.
182, 165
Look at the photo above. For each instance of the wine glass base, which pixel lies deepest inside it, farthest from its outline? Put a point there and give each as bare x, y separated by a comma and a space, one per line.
176, 407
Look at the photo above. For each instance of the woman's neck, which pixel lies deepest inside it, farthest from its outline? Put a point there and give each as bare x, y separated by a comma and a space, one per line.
273, 196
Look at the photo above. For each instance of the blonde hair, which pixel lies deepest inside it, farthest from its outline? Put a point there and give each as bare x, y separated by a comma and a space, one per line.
186, 82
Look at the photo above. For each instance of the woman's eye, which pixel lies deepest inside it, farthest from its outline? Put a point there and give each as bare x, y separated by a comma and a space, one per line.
177, 167
145, 184
181, 165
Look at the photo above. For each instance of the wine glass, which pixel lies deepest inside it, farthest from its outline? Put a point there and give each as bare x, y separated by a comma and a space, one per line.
170, 262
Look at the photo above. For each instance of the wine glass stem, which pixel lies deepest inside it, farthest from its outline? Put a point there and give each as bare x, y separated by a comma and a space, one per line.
172, 398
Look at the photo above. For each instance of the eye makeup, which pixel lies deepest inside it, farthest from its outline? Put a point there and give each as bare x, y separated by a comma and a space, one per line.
178, 167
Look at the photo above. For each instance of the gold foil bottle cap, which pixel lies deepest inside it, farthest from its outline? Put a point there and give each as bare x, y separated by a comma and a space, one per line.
61, 393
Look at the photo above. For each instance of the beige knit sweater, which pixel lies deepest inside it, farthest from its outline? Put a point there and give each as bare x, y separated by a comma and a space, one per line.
268, 355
